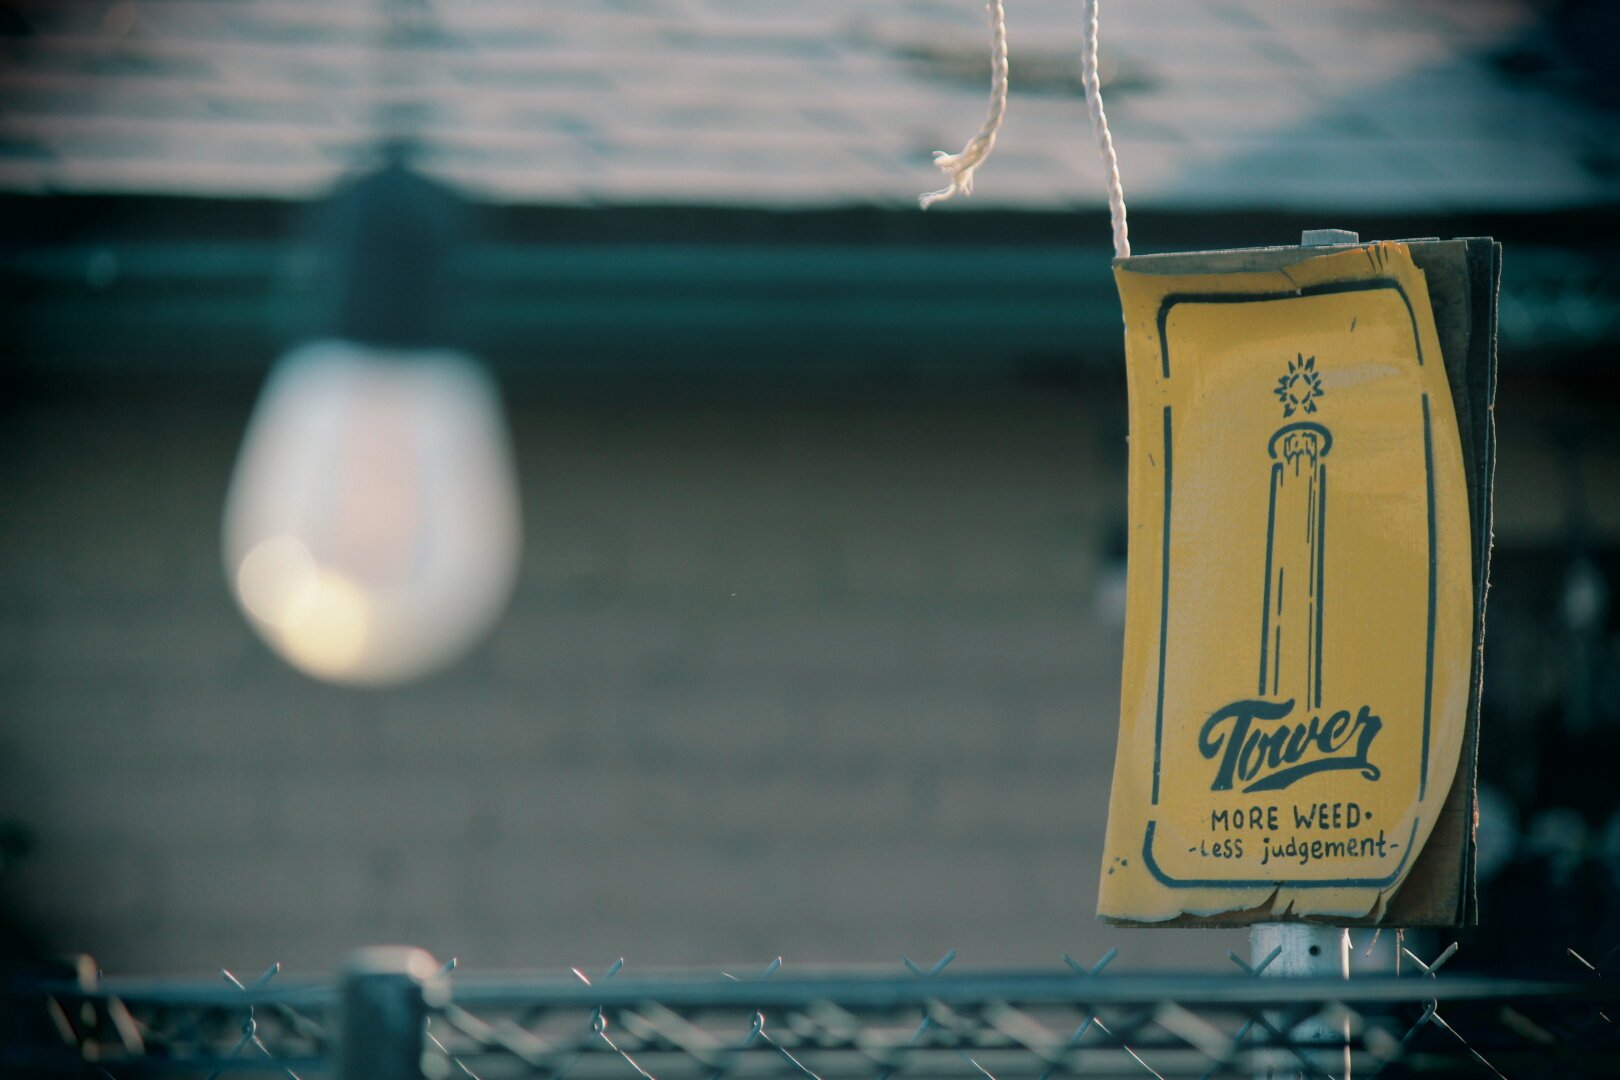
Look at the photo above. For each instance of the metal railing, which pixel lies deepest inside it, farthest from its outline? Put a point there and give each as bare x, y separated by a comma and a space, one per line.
396, 1013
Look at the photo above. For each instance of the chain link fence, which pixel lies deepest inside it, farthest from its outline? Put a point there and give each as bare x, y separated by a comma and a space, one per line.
397, 1013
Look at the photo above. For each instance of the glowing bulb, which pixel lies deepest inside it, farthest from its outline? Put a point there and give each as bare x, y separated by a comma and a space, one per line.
371, 529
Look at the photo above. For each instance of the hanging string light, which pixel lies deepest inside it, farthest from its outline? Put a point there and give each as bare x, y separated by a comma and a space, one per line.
372, 528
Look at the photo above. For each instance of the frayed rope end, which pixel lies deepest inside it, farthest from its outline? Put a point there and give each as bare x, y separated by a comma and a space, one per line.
959, 167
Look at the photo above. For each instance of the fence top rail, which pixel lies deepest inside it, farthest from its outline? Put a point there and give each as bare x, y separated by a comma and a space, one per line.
856, 989
1016, 988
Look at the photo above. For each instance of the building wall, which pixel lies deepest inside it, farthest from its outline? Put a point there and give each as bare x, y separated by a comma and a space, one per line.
827, 673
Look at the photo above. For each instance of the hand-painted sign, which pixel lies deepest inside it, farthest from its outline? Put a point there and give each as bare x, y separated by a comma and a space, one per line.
1300, 634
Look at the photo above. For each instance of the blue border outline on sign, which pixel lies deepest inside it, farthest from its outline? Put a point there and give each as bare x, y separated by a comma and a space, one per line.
1165, 305
1369, 285
1164, 611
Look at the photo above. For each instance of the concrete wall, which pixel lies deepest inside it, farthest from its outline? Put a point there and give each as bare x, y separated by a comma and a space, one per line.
829, 674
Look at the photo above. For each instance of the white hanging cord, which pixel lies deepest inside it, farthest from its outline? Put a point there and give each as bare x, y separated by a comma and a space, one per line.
1099, 125
959, 167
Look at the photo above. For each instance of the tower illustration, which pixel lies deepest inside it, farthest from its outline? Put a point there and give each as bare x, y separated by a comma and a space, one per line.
1291, 624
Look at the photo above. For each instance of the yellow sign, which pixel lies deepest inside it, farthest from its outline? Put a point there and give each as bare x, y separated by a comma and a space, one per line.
1300, 617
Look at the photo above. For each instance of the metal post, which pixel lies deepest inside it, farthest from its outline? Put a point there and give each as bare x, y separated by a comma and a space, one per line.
1308, 950
1303, 950
385, 993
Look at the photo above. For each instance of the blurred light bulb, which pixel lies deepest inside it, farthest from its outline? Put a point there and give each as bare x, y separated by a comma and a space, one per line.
371, 528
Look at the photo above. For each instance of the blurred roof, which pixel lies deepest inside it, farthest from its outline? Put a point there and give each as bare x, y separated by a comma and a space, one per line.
1353, 104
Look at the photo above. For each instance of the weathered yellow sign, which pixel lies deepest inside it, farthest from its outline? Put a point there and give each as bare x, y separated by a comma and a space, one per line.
1300, 622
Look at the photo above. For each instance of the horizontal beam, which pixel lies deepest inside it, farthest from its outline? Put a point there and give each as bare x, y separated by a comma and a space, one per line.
204, 304
864, 990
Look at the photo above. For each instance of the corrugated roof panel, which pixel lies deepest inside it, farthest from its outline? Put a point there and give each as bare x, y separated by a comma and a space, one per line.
1359, 104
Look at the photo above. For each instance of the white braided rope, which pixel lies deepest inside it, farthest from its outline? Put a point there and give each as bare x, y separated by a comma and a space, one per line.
1099, 125
959, 167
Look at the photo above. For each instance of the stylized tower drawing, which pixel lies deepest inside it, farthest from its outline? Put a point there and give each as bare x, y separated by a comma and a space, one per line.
1291, 624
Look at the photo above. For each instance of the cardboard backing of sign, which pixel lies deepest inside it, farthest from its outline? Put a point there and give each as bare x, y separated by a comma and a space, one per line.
1312, 452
